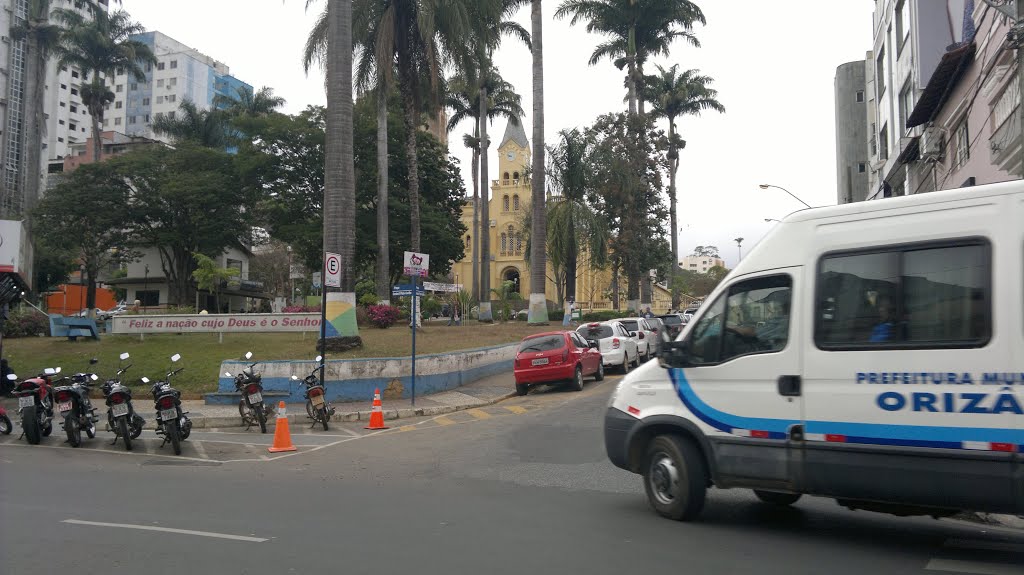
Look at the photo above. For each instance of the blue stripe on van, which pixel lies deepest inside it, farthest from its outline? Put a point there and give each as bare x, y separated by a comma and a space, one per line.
866, 433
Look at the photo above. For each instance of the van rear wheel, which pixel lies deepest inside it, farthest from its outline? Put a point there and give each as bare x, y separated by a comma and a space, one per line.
675, 477
777, 498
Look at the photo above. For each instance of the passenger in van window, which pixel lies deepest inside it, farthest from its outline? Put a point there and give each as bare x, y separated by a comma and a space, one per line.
885, 330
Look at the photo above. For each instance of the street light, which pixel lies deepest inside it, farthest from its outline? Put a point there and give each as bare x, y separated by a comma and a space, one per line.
81, 284
766, 186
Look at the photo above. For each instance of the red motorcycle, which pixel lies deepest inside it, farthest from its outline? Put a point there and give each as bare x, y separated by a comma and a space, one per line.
35, 404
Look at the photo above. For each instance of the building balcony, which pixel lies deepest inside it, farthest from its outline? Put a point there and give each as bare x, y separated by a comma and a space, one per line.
1004, 145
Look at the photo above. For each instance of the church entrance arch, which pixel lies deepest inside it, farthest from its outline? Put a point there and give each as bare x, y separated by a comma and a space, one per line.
511, 275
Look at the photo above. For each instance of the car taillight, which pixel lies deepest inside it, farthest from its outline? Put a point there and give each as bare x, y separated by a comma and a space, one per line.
117, 398
63, 396
316, 391
165, 402
565, 355
615, 343
252, 389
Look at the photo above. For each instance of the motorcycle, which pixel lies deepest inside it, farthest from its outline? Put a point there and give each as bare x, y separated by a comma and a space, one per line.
171, 421
121, 416
5, 422
251, 407
75, 407
35, 404
317, 407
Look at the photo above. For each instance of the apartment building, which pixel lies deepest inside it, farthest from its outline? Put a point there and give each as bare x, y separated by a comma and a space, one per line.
700, 264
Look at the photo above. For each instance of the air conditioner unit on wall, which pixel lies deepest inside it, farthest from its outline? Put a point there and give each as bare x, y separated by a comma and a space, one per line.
931, 143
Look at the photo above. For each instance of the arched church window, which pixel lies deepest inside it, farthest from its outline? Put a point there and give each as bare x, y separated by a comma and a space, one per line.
504, 204
515, 202
504, 243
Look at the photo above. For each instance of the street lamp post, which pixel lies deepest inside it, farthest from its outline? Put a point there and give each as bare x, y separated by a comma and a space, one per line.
766, 186
145, 288
81, 285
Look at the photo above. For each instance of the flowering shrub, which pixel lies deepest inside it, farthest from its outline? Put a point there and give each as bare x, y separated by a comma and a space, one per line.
383, 316
26, 322
300, 309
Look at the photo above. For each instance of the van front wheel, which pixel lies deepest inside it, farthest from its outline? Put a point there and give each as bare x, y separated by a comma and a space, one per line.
777, 498
675, 477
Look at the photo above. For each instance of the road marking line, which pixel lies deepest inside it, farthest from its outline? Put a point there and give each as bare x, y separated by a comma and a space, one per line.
973, 567
200, 450
169, 530
479, 413
444, 420
518, 410
407, 428
115, 452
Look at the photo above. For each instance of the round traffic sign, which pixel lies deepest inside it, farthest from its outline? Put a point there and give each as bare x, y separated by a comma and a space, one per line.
333, 264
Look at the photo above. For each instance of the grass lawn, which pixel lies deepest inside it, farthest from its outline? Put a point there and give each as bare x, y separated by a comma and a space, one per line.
201, 354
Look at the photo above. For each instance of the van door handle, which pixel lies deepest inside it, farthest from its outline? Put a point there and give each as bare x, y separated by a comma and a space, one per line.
789, 385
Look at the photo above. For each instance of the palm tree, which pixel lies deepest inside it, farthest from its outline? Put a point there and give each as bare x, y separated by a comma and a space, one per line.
538, 265
464, 101
637, 29
672, 95
572, 225
490, 23
207, 128
248, 103
99, 47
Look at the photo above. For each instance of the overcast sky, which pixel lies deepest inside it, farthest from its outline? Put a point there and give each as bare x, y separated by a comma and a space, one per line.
773, 63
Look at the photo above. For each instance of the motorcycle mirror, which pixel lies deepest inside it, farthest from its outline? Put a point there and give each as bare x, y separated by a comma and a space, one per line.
124, 356
295, 378
228, 374
248, 355
93, 361
57, 370
94, 377
144, 380
13, 377
319, 358
175, 357
49, 371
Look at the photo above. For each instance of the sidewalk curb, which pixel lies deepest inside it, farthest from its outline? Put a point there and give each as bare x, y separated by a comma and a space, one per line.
211, 422
994, 519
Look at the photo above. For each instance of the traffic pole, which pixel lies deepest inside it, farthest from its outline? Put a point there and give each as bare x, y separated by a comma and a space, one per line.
323, 328
414, 318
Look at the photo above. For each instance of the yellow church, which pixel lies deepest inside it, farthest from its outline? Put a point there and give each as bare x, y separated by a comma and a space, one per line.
509, 210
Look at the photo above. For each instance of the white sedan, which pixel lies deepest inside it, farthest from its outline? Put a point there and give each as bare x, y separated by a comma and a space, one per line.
617, 347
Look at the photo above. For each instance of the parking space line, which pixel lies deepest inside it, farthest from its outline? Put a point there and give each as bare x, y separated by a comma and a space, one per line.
200, 450
479, 413
517, 409
169, 530
407, 428
444, 420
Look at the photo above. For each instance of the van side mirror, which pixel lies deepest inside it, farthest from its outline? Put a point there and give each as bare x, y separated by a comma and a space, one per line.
674, 354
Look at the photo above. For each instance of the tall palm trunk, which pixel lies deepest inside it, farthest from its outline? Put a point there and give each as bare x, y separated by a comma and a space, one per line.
35, 127
616, 268
383, 253
409, 102
631, 70
538, 312
673, 159
572, 257
485, 213
475, 232
339, 171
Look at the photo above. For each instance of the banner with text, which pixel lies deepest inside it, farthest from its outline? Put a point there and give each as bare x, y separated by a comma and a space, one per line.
219, 323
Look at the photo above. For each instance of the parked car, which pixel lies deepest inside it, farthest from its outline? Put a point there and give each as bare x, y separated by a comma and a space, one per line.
555, 357
617, 347
116, 310
85, 313
646, 336
673, 323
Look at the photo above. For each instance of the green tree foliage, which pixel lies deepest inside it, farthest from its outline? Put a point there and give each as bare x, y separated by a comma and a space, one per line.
706, 252
505, 294
85, 215
210, 277
628, 161
184, 201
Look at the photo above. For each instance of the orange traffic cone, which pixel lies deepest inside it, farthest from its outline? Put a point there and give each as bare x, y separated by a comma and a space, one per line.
282, 437
377, 413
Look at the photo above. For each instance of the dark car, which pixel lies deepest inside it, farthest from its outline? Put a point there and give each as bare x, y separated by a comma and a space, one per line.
673, 323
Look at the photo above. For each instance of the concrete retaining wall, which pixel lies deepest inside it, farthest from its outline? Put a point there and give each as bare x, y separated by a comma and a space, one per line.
356, 379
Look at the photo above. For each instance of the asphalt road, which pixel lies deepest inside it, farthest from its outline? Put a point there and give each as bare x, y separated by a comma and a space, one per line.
519, 487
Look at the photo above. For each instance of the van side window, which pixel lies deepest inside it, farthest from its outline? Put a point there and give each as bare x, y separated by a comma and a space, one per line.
753, 317
905, 297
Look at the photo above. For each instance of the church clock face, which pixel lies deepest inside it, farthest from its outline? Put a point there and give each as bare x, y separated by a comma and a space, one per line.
511, 155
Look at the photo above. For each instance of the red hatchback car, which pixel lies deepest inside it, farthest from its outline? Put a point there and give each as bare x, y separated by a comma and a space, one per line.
554, 357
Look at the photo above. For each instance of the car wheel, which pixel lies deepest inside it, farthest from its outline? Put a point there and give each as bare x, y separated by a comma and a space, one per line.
599, 376
625, 362
577, 378
777, 498
675, 477
522, 389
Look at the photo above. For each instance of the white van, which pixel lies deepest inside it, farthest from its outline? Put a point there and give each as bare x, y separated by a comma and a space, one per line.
871, 352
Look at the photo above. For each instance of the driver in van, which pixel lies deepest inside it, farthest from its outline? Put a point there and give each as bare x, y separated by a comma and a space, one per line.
773, 333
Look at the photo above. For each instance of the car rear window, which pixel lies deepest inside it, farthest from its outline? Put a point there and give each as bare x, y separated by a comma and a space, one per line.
671, 319
595, 332
543, 343
629, 324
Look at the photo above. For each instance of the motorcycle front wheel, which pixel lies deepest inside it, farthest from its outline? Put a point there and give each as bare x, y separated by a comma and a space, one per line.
122, 430
261, 416
174, 434
324, 417
73, 431
137, 425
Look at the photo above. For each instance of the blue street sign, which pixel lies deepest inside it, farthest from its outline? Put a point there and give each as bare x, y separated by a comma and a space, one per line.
400, 290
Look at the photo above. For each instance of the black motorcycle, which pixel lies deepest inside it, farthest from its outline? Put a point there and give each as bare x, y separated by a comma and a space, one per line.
171, 421
121, 416
317, 407
251, 407
72, 399
35, 404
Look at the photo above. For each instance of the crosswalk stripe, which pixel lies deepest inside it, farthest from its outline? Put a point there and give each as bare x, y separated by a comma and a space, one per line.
517, 409
479, 413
